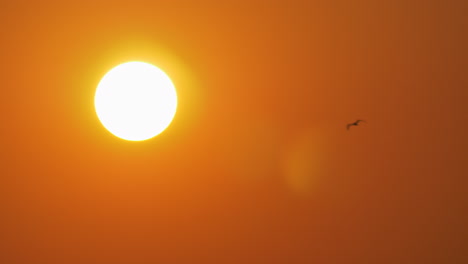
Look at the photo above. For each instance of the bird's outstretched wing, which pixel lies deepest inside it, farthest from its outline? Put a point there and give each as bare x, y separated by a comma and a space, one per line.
348, 125
360, 120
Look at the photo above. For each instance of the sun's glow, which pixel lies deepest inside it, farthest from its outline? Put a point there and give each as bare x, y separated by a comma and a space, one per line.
135, 101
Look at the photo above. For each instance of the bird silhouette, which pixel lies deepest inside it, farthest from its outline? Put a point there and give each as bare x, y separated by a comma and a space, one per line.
354, 124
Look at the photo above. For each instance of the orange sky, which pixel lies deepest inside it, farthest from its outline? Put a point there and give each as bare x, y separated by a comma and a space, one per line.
257, 166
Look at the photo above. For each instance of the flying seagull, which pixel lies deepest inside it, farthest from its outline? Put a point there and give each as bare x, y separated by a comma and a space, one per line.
354, 124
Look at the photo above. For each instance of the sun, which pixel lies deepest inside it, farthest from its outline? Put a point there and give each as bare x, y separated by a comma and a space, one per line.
135, 101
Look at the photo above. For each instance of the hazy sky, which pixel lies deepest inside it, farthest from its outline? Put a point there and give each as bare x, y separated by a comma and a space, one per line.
257, 166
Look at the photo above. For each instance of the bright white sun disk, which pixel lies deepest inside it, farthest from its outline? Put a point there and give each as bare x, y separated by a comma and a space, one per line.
135, 101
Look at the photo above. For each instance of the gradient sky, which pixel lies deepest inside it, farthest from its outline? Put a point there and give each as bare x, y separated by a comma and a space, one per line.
257, 166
